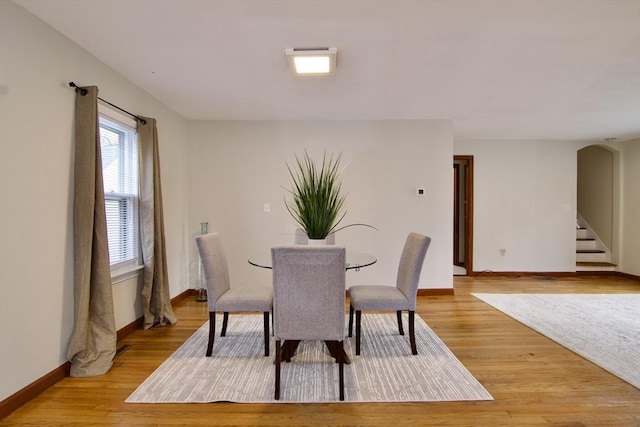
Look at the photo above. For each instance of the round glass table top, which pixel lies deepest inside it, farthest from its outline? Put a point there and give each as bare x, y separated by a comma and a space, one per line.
355, 260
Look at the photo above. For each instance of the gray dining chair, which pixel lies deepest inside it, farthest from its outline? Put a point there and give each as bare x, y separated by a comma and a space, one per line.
389, 298
221, 297
308, 302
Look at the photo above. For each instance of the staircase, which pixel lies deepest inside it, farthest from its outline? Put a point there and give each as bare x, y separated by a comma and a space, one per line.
591, 253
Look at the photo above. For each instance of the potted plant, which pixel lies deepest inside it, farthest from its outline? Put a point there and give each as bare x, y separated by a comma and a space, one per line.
317, 197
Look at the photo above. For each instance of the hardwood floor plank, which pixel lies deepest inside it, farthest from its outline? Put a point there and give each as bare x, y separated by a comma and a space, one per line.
535, 381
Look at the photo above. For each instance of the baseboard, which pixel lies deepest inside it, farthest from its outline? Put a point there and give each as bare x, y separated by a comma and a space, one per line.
627, 275
541, 274
128, 329
435, 292
186, 294
597, 273
429, 292
19, 398
517, 274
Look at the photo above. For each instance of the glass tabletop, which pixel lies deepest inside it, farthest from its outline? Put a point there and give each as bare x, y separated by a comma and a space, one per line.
355, 260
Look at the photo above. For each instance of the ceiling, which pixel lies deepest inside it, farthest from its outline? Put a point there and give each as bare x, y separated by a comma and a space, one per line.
500, 69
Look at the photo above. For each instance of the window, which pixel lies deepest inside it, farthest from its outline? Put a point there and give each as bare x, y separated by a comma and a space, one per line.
119, 146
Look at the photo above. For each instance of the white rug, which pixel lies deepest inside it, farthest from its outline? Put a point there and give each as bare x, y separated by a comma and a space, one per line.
604, 329
386, 371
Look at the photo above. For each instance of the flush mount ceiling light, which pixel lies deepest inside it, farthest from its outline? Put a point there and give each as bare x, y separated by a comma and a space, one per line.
316, 61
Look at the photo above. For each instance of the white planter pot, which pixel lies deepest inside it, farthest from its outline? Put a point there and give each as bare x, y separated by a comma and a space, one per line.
317, 242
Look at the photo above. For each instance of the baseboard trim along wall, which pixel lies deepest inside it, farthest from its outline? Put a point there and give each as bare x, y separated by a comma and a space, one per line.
435, 292
543, 274
628, 276
23, 396
19, 398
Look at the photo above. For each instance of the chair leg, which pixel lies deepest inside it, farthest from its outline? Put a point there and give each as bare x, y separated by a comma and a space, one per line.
289, 348
351, 310
278, 360
266, 333
400, 329
225, 320
212, 332
358, 329
412, 332
341, 371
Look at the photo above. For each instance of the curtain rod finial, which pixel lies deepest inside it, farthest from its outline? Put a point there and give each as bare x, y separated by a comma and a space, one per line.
82, 90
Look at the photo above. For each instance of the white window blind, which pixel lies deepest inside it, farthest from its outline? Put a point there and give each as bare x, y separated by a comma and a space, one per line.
119, 147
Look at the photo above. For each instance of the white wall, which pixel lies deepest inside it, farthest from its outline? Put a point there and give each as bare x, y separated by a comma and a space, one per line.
630, 236
36, 168
237, 167
524, 202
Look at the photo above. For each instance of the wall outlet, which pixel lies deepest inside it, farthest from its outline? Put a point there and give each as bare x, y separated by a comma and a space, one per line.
267, 208
420, 191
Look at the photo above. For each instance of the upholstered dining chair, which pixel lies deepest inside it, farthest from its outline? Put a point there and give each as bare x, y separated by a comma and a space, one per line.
308, 302
390, 298
221, 297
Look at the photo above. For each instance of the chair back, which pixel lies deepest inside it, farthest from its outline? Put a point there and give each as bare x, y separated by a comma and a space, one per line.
301, 237
410, 267
309, 292
214, 265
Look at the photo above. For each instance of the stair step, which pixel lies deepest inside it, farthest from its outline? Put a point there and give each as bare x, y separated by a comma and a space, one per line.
595, 266
583, 234
590, 250
592, 257
587, 245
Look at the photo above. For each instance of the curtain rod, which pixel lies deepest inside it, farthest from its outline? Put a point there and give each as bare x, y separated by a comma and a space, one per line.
84, 91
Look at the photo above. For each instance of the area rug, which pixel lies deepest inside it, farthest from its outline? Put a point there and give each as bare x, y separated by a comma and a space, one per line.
602, 328
386, 371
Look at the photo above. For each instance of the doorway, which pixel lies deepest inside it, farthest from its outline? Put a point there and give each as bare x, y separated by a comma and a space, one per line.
597, 204
462, 215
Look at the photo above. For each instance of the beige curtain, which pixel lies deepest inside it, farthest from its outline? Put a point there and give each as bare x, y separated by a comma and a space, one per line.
156, 300
93, 343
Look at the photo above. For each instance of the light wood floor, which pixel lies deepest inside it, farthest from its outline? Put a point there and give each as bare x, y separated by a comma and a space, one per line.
534, 381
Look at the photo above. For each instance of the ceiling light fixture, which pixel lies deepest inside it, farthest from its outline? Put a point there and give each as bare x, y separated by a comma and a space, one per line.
318, 61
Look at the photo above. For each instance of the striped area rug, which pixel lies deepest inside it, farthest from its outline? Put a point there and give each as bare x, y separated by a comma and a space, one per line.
384, 372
